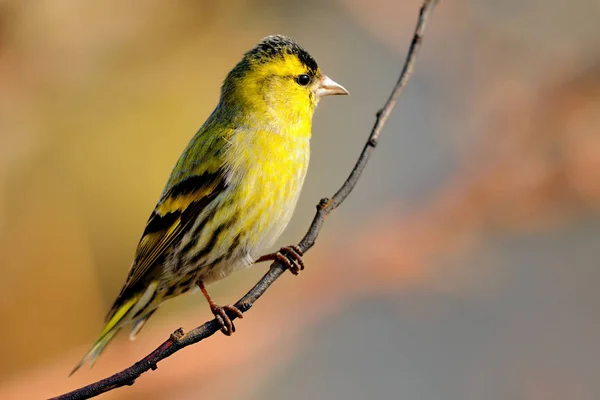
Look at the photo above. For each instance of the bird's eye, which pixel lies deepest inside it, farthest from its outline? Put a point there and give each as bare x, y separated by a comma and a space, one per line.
303, 80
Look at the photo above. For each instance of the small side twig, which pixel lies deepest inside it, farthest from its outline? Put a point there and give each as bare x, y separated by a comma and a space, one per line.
178, 339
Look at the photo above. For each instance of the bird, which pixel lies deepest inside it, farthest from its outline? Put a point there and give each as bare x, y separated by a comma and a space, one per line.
232, 191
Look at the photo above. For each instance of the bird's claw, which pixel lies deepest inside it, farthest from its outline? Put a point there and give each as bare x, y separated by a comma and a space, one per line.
292, 257
220, 313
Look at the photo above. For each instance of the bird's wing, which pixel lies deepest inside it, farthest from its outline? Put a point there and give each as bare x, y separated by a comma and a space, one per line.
198, 178
171, 218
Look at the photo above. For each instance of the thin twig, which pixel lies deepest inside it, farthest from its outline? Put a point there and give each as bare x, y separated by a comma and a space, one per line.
178, 339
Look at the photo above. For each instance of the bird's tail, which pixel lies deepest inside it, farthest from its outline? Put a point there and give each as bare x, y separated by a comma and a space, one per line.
112, 327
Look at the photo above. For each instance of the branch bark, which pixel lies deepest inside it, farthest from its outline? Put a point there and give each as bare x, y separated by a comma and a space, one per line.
178, 339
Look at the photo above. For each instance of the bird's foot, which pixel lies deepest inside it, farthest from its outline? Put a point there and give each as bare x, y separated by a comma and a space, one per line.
291, 256
220, 313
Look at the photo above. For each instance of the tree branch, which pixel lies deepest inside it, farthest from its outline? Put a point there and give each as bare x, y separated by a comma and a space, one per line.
178, 339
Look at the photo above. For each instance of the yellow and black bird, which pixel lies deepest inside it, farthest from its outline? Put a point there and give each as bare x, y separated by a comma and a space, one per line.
232, 191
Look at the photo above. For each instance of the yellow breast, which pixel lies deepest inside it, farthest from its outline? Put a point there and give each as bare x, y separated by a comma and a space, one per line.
267, 176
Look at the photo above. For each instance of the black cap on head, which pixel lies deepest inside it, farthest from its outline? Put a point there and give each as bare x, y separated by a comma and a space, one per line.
277, 46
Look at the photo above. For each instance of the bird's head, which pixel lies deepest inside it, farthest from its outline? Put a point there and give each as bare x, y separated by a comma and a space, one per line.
278, 80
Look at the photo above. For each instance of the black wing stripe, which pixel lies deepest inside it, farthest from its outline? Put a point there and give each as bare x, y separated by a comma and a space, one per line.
191, 184
158, 223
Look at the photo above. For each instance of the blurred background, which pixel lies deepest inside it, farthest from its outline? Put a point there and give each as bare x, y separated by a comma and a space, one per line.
464, 266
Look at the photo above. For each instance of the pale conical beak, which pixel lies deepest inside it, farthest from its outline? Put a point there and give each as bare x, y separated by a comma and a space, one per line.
329, 87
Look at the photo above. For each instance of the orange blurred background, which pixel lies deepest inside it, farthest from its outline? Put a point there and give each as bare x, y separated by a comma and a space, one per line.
464, 266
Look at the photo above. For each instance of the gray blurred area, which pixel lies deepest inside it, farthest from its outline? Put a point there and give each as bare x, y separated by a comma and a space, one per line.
528, 334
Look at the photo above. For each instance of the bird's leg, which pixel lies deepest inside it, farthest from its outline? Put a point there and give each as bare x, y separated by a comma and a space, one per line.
291, 256
220, 313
